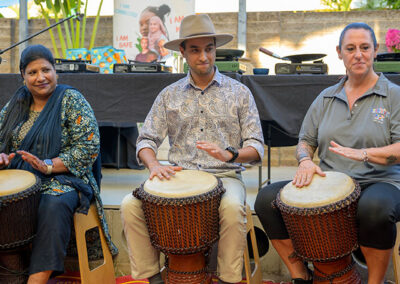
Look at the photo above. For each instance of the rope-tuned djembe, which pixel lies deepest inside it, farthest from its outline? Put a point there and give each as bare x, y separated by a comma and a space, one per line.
183, 221
19, 200
321, 222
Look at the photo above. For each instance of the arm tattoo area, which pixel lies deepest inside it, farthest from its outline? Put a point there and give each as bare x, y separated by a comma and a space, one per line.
304, 150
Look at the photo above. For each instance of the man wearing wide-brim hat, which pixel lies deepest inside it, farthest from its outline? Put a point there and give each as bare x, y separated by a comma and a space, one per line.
213, 125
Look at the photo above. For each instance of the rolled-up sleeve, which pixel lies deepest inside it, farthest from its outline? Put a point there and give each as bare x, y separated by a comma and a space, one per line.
251, 131
309, 128
394, 94
154, 129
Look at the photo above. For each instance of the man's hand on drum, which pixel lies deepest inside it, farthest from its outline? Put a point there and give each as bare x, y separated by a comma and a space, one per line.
214, 150
350, 153
305, 173
160, 171
34, 161
5, 159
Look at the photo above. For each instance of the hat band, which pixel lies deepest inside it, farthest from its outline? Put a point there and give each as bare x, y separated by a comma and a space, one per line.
199, 34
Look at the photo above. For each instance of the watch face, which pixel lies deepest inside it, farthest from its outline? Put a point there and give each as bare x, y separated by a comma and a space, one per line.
48, 162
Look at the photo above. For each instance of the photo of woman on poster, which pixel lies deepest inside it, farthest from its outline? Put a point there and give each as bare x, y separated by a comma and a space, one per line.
157, 32
152, 27
149, 12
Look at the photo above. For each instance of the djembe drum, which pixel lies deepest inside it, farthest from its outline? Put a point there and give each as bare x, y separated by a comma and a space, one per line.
321, 222
183, 221
19, 200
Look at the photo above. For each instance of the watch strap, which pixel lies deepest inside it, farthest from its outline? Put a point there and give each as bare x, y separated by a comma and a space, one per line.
234, 152
49, 164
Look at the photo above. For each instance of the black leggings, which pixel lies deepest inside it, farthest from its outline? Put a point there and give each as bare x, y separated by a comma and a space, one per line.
377, 213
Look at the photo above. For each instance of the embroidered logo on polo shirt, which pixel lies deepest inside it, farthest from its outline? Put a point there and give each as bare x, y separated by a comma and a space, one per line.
379, 114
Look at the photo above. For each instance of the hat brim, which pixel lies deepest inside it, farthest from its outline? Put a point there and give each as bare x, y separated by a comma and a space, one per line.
220, 39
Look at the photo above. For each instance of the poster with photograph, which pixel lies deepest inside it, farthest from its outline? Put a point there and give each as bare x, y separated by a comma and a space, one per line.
142, 27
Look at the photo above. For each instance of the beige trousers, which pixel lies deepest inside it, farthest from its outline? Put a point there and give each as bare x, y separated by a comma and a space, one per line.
144, 258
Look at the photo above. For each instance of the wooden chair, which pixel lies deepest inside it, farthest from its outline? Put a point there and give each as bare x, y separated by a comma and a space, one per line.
252, 276
103, 273
396, 256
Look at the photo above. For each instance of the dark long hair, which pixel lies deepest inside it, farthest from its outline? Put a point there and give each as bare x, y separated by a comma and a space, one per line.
18, 106
160, 11
357, 26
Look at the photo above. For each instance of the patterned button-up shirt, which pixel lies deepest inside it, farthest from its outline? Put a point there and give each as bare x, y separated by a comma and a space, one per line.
223, 113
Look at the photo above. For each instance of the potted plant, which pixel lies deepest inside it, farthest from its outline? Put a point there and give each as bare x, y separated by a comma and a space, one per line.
74, 31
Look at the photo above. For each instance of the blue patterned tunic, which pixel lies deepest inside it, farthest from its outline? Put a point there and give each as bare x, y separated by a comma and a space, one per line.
80, 145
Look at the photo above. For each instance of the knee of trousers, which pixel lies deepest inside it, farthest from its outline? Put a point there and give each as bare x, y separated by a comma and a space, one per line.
54, 211
130, 207
232, 213
374, 213
263, 203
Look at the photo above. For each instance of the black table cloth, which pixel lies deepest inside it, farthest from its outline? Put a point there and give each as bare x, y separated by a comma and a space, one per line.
122, 100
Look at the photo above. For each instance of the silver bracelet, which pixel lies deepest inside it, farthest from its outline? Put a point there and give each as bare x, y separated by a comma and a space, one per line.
365, 156
365, 159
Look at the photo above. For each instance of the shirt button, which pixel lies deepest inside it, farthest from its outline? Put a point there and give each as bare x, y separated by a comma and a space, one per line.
201, 111
202, 92
355, 105
201, 130
352, 112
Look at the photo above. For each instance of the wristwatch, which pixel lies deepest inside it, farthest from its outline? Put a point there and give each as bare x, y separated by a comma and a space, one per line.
234, 152
49, 164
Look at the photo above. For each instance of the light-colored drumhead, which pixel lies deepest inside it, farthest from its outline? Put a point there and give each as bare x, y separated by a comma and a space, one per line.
322, 191
14, 181
183, 184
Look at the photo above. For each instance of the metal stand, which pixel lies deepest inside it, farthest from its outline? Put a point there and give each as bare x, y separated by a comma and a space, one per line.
77, 16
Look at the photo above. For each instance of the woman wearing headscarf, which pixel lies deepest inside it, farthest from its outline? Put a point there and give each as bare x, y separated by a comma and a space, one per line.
157, 32
51, 131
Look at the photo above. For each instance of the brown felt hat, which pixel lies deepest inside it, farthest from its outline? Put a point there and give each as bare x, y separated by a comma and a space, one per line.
197, 26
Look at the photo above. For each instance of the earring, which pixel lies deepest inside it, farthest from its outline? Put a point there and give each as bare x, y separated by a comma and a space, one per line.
24, 83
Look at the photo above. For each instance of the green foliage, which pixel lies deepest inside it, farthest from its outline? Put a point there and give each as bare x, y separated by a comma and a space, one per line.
391, 4
138, 45
337, 5
73, 35
1, 15
344, 5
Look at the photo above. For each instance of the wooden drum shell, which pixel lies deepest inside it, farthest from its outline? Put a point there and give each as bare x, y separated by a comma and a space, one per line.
182, 225
323, 233
18, 217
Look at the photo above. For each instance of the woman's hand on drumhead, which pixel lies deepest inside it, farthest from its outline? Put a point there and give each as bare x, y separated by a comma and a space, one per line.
305, 173
162, 172
350, 153
214, 150
5, 159
34, 161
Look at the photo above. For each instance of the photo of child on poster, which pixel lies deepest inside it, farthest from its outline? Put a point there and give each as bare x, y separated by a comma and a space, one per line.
141, 29
152, 30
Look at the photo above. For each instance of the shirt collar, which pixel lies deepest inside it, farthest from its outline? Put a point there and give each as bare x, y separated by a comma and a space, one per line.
380, 89
217, 79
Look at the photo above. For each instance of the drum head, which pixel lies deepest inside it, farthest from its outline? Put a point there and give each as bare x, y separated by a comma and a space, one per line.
182, 184
14, 181
322, 191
